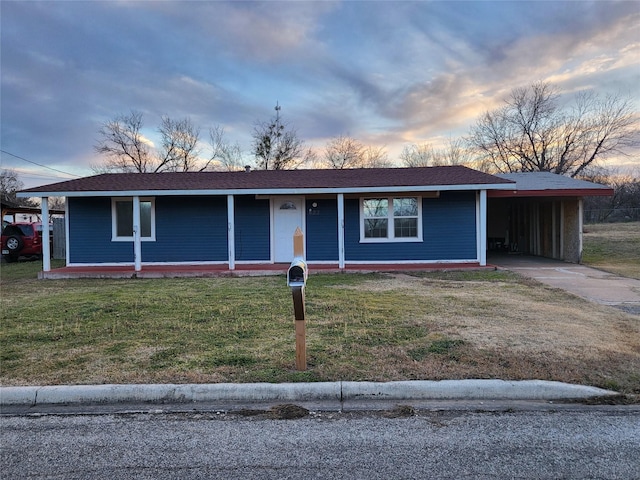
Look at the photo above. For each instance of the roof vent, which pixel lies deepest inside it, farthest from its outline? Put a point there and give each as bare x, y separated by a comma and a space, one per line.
247, 168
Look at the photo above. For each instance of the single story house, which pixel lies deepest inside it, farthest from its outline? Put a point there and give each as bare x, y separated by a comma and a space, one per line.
426, 215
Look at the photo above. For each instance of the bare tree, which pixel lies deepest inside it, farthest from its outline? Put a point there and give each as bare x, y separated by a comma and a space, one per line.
343, 152
124, 146
179, 142
228, 156
9, 185
418, 155
424, 155
623, 205
276, 146
127, 150
375, 157
310, 159
455, 153
532, 132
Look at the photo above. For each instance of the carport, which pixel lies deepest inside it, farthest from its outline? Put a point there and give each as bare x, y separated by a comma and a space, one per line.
541, 216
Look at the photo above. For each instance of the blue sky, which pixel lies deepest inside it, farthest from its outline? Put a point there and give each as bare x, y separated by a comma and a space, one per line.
386, 73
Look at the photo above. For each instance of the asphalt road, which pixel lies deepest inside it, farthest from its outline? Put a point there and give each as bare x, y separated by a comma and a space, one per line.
575, 443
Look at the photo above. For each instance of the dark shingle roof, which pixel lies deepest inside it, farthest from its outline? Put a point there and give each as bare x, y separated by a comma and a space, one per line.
547, 184
548, 181
270, 180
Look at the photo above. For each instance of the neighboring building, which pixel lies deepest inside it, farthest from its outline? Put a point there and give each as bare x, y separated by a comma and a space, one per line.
428, 215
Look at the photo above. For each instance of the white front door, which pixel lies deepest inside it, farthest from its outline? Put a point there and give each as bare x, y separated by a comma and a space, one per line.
288, 214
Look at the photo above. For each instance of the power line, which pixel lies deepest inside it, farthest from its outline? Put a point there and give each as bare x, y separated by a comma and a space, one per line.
27, 174
40, 165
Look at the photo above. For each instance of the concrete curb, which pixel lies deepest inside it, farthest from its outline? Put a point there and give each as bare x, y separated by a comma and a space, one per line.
298, 392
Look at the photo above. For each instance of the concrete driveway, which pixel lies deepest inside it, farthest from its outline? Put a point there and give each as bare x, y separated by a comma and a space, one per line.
589, 283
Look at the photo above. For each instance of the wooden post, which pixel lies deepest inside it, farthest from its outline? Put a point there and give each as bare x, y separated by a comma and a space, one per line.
298, 307
301, 336
298, 243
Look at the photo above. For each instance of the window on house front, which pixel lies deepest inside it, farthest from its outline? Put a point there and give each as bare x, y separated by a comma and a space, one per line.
396, 219
122, 219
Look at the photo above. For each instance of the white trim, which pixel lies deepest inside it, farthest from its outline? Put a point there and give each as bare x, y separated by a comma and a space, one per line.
341, 230
46, 246
256, 262
114, 226
131, 264
109, 264
67, 240
264, 262
231, 231
538, 230
406, 262
554, 230
481, 227
391, 238
271, 246
137, 247
562, 205
273, 191
580, 228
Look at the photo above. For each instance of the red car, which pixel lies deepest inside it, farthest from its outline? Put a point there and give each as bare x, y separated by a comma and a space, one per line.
22, 240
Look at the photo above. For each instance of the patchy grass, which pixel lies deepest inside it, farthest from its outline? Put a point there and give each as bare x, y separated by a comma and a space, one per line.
360, 327
613, 247
24, 269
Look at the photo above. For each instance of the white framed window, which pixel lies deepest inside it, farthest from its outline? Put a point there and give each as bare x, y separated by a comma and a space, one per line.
391, 219
122, 219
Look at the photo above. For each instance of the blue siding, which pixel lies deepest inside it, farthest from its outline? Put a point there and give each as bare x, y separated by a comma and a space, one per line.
322, 230
194, 229
448, 226
189, 229
90, 233
252, 234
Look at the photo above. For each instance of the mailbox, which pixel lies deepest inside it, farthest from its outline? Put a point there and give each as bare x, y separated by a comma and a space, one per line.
297, 273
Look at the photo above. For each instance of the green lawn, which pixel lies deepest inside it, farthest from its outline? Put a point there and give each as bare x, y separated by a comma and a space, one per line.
360, 327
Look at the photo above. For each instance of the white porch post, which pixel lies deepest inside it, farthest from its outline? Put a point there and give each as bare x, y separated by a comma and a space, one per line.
231, 235
341, 230
137, 244
482, 227
46, 246
580, 227
562, 254
554, 231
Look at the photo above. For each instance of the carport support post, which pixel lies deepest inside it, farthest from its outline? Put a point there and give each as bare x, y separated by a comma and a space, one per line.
46, 246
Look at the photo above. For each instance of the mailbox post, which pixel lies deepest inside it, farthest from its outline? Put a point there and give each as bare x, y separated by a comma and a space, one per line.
296, 280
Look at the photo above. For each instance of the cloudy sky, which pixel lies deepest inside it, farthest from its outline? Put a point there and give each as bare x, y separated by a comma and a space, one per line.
386, 73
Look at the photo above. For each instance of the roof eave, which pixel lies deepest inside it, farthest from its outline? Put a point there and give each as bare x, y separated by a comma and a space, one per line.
268, 191
563, 192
